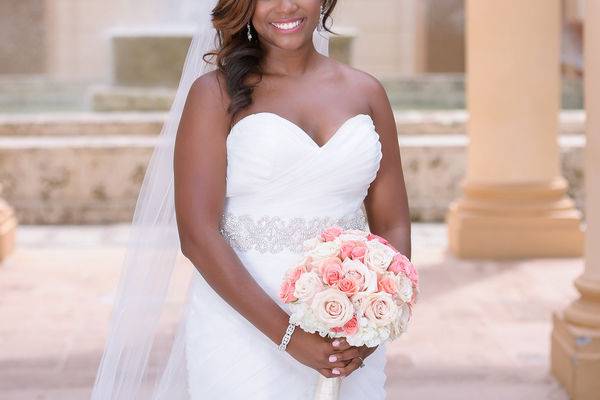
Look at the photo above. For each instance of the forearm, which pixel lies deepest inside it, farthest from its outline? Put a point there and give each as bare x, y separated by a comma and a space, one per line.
220, 266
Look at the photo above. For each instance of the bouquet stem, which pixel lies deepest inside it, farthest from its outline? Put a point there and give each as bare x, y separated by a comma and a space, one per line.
328, 388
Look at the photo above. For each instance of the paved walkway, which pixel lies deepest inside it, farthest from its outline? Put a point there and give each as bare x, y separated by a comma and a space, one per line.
481, 329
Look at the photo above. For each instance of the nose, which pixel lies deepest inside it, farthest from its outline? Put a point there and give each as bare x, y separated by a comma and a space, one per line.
288, 6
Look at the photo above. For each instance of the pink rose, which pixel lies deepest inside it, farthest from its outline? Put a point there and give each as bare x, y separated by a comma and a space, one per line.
388, 285
286, 292
295, 273
351, 327
331, 233
346, 250
331, 270
348, 286
412, 274
373, 236
401, 264
358, 252
354, 250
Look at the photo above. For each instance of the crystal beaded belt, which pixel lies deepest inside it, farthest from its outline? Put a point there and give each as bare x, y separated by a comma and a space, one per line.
274, 234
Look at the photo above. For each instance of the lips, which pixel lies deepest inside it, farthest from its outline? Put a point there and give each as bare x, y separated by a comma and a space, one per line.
288, 24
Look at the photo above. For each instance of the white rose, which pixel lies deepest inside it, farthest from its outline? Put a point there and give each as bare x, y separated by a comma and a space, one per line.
372, 286
324, 250
307, 286
351, 237
359, 303
401, 322
357, 232
405, 289
384, 333
332, 307
378, 256
310, 244
381, 308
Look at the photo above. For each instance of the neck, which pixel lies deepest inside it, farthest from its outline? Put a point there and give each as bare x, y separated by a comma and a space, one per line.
278, 61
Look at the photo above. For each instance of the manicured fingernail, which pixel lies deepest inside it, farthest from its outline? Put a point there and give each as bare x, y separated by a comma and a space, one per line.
335, 371
336, 343
332, 358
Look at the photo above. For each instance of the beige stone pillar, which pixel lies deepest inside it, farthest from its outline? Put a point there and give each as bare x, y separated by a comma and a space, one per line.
514, 201
8, 225
575, 348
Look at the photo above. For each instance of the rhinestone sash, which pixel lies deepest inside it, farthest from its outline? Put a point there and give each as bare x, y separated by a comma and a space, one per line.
272, 234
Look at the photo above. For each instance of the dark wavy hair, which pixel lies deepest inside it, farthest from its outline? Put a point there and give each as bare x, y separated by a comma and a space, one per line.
236, 57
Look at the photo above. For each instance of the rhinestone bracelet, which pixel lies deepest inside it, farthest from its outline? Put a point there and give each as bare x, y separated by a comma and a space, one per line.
287, 337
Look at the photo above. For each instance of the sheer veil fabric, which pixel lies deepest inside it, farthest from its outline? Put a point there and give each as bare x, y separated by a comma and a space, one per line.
150, 257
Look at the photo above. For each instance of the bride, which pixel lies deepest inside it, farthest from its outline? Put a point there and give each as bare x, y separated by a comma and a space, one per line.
260, 152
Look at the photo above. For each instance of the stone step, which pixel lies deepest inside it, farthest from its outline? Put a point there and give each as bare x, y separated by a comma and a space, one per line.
150, 123
95, 179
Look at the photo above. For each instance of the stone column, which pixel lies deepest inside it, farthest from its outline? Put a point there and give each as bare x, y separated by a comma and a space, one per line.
575, 346
8, 225
514, 202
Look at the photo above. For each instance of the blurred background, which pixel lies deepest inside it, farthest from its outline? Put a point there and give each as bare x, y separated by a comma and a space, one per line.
498, 156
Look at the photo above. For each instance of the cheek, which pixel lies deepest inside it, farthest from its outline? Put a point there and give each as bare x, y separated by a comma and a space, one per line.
261, 10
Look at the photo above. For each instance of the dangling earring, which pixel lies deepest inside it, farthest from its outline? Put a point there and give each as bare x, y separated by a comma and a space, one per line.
320, 25
249, 32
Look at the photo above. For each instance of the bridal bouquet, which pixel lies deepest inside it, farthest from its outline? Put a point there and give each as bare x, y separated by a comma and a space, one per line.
352, 284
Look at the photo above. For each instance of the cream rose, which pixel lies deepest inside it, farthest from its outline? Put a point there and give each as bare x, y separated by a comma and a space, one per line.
372, 286
379, 256
324, 250
359, 301
310, 244
351, 236
332, 308
307, 286
401, 322
405, 287
381, 309
358, 271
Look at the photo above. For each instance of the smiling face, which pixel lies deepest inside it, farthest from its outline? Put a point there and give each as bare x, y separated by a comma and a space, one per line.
287, 24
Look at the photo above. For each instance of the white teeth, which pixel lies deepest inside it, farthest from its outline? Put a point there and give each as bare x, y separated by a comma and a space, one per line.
287, 25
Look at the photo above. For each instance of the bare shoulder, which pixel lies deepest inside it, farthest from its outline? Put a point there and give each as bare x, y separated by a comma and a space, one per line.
366, 87
363, 84
210, 90
207, 101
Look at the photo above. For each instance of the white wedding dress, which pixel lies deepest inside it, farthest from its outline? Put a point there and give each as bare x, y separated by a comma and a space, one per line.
282, 188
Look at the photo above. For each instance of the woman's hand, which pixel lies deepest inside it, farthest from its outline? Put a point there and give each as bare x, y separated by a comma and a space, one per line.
313, 350
349, 355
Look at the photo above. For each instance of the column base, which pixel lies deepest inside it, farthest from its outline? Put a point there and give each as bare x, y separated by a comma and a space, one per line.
575, 358
8, 228
515, 221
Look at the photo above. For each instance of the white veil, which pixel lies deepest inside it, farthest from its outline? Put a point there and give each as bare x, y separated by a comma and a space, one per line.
152, 249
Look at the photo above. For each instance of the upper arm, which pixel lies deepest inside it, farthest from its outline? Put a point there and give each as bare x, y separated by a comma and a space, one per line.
200, 159
386, 202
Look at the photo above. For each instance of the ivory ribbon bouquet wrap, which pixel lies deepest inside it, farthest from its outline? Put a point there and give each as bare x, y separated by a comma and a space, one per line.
352, 284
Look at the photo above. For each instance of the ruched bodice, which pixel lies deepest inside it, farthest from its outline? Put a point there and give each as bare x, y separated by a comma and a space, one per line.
274, 167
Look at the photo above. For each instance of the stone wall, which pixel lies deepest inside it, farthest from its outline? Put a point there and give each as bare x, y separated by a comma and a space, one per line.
23, 48
87, 168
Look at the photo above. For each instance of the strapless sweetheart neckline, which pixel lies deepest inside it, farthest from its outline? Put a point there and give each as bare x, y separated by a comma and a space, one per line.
299, 129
